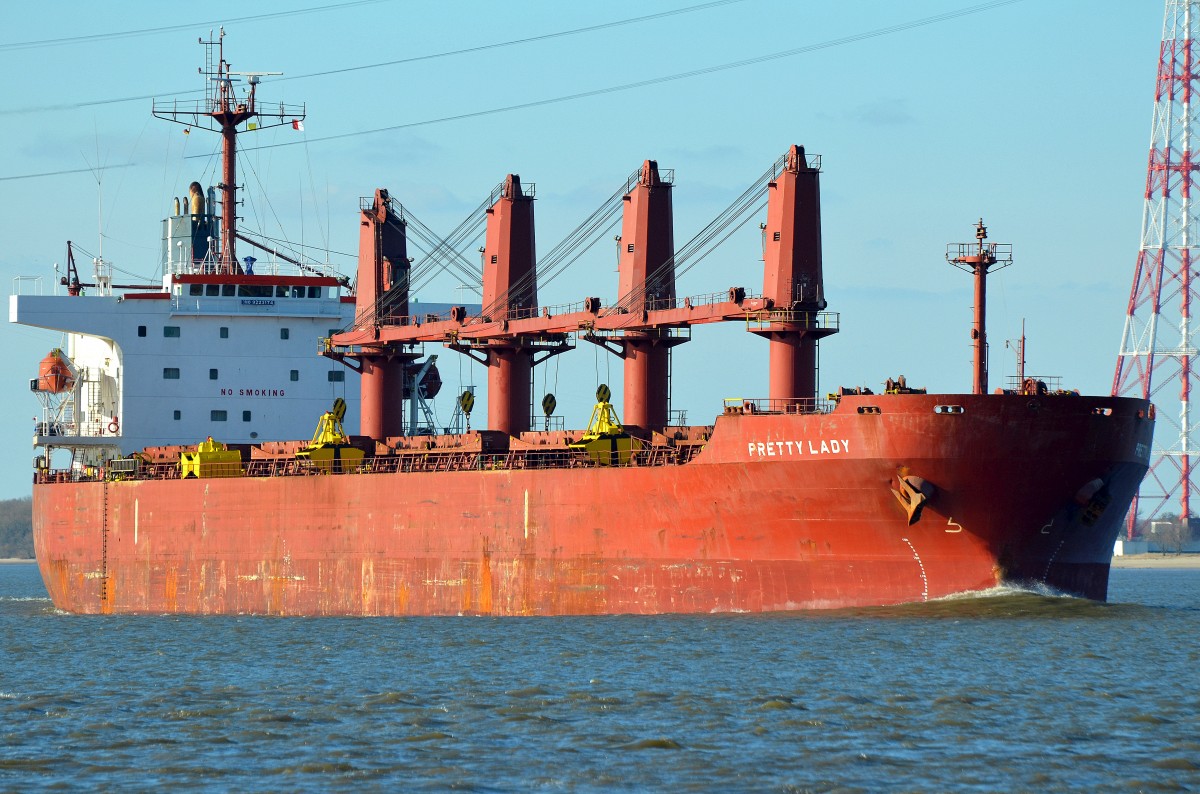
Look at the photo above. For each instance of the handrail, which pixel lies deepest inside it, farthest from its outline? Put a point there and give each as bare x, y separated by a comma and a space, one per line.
401, 463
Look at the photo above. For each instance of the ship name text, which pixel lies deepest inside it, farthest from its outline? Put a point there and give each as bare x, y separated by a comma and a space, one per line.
783, 449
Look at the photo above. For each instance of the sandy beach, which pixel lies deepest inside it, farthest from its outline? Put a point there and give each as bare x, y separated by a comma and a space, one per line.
1157, 561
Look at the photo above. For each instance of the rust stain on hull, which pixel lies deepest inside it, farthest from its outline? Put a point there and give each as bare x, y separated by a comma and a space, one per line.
727, 532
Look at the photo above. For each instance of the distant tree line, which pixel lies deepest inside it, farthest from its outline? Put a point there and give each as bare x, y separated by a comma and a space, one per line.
16, 528
1168, 531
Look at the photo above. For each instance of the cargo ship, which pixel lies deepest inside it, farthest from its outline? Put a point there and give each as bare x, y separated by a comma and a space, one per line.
792, 501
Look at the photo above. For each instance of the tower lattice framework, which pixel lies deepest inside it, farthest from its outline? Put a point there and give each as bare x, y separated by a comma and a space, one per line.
1158, 348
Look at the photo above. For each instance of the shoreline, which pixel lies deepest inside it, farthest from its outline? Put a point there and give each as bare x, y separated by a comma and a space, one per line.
1160, 560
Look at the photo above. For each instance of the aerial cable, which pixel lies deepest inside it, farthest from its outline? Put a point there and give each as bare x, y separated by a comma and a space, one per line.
514, 42
383, 64
898, 28
852, 39
91, 37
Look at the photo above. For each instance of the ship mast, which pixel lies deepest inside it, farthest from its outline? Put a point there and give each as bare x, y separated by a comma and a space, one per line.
223, 110
978, 258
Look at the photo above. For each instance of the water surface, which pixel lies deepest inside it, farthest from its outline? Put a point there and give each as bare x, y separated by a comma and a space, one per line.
1014, 691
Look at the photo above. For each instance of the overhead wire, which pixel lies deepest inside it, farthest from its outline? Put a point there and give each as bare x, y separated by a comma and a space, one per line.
93, 37
851, 39
897, 28
363, 67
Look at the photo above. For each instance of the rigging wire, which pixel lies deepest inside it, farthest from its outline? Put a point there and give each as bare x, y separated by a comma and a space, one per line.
568, 250
708, 239
442, 256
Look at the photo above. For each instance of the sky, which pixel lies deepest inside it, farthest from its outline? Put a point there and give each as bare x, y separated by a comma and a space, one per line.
928, 115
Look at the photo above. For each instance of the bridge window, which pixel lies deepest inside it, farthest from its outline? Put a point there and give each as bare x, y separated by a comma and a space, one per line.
297, 292
314, 292
212, 290
281, 291
195, 289
228, 290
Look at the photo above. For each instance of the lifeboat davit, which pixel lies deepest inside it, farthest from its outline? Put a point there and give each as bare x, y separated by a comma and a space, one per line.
54, 374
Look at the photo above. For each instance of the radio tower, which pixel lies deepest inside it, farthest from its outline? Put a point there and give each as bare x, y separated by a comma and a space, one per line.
1158, 348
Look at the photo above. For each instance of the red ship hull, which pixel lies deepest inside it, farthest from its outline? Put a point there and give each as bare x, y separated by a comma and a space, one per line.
778, 512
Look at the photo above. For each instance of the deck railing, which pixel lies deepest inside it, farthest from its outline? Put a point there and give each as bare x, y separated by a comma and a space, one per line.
434, 461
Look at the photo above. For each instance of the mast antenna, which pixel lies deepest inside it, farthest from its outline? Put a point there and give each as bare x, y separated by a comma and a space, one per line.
979, 258
224, 110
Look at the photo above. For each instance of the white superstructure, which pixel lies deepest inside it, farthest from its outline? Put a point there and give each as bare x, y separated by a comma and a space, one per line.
231, 356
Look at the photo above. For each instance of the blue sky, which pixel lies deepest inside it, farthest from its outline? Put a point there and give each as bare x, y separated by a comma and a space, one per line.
1034, 114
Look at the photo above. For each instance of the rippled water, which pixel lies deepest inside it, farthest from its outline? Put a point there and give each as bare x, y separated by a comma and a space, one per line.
1015, 691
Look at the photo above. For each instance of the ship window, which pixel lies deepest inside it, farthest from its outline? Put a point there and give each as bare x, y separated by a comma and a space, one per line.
141, 330
195, 289
630, 248
297, 292
212, 374
224, 332
337, 376
284, 333
314, 292
178, 415
245, 416
170, 330
494, 259
218, 416
295, 374
212, 290
170, 373
228, 290
281, 292
775, 237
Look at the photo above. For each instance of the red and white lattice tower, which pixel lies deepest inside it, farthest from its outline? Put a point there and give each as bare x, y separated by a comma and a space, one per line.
1158, 349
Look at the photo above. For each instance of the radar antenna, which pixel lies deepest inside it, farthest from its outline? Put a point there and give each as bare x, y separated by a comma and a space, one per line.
223, 110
